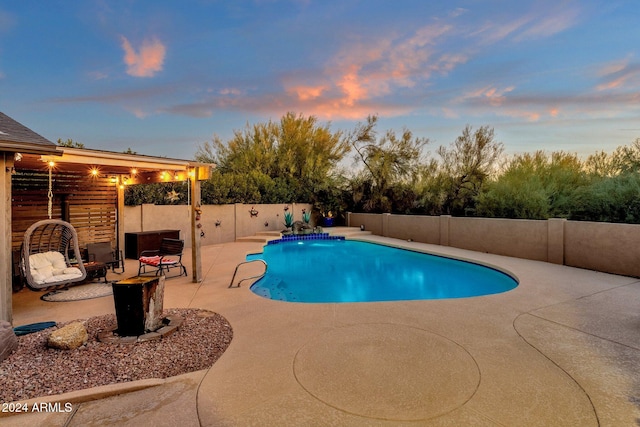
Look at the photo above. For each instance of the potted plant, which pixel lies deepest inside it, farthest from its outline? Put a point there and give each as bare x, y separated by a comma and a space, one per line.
328, 220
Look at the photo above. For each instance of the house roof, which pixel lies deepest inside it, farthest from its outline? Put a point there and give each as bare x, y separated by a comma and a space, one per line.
16, 137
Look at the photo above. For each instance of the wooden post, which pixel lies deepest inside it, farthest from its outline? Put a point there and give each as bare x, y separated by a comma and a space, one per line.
6, 265
120, 217
196, 257
64, 208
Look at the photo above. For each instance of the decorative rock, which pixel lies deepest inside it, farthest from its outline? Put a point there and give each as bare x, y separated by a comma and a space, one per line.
8, 340
68, 337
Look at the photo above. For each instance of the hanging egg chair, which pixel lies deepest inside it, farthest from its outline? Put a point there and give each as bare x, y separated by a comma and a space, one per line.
45, 255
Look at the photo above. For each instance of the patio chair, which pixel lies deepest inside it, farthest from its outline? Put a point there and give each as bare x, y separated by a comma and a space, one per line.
168, 256
102, 252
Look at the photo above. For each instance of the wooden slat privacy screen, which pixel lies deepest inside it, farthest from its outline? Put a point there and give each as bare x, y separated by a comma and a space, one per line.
88, 203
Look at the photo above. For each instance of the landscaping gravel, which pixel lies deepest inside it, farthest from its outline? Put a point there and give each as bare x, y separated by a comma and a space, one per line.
34, 370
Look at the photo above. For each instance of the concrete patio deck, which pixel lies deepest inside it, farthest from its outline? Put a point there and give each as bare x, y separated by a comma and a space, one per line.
563, 348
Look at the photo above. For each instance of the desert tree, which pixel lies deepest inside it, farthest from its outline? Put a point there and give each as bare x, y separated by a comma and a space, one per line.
465, 166
390, 165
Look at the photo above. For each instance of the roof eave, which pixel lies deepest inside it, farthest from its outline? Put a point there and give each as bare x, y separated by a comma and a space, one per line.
26, 148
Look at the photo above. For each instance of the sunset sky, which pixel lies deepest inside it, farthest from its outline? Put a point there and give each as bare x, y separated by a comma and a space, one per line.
162, 77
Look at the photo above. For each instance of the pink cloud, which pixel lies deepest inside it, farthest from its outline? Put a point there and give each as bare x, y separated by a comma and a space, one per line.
501, 104
305, 93
494, 96
544, 20
147, 61
618, 75
551, 22
363, 72
353, 87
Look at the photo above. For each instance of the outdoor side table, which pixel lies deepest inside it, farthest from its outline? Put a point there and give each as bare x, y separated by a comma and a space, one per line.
138, 301
96, 270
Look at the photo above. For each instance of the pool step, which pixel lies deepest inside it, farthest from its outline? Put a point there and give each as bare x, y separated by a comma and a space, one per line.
256, 238
276, 234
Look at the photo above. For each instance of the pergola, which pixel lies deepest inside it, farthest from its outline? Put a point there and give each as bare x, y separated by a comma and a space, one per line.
87, 191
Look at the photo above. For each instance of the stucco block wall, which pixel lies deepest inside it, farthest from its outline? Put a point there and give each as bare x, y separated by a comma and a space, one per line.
423, 229
169, 217
511, 237
611, 248
132, 219
371, 222
614, 248
216, 234
234, 220
270, 217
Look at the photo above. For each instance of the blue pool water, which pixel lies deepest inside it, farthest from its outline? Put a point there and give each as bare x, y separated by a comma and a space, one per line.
351, 271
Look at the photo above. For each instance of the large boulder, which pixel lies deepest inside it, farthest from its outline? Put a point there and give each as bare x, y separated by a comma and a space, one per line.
68, 337
8, 340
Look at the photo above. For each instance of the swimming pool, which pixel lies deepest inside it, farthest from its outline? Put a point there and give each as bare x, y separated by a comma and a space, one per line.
315, 271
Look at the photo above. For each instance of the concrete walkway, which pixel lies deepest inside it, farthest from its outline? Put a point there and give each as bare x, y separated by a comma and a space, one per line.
563, 348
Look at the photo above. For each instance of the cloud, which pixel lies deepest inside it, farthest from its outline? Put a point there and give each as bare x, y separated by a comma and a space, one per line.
138, 112
545, 21
362, 74
230, 91
362, 78
501, 102
550, 22
458, 11
390, 74
492, 32
306, 93
619, 75
147, 61
98, 75
493, 96
493, 99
